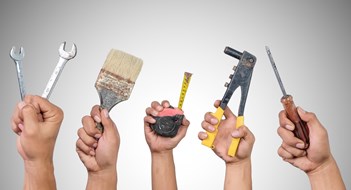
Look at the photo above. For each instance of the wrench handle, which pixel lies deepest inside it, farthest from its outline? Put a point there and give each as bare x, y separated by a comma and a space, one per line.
54, 78
20, 79
235, 141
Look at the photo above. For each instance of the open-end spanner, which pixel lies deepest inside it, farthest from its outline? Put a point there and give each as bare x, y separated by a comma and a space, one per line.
64, 58
17, 58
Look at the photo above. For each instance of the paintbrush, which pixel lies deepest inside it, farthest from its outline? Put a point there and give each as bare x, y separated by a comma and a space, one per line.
116, 79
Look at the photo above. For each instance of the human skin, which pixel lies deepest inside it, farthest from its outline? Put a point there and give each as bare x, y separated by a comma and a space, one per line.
161, 148
99, 151
317, 161
37, 122
238, 168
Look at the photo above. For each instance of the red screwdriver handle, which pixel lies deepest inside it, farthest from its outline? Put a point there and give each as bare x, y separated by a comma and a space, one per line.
301, 130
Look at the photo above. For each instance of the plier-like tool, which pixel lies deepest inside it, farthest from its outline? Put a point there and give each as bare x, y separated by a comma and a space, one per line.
241, 77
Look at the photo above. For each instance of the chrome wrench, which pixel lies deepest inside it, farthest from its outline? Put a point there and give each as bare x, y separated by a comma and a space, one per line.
64, 58
17, 58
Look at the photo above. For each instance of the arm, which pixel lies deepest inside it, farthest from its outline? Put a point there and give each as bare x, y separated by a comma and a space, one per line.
37, 122
161, 148
97, 151
317, 161
238, 168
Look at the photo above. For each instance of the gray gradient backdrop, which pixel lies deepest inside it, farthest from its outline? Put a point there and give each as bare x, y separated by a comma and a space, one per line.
310, 41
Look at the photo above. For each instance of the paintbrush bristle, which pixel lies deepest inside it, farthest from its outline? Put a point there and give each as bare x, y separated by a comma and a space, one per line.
123, 65
117, 77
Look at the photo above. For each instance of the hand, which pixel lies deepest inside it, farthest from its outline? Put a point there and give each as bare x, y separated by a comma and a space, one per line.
158, 143
36, 122
226, 131
291, 149
97, 151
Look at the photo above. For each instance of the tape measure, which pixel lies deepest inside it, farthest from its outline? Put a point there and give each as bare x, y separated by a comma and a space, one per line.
185, 84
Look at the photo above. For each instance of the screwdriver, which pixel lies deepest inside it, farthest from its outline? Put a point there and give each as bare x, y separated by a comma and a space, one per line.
301, 130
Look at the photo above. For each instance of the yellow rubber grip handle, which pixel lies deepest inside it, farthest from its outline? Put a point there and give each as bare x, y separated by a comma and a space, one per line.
235, 141
212, 135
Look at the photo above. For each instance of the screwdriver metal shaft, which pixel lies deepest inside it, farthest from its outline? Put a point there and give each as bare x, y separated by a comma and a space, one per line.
301, 130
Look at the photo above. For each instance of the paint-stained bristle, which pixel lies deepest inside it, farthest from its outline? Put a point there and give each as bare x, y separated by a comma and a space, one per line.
123, 65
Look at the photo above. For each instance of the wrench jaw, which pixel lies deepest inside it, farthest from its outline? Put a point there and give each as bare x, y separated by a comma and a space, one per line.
17, 56
67, 55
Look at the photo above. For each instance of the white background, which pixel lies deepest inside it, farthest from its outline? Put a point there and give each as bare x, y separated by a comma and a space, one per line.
310, 42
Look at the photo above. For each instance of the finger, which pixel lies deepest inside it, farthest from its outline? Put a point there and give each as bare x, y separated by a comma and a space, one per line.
88, 140
244, 133
89, 127
49, 111
207, 126
289, 138
95, 113
81, 146
184, 127
156, 105
308, 117
109, 126
149, 120
210, 118
151, 111
284, 120
293, 151
202, 135
216, 103
284, 154
15, 119
228, 114
165, 103
30, 119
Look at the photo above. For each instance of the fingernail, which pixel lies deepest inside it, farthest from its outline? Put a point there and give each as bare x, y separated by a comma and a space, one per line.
204, 135
300, 145
289, 127
235, 134
302, 110
21, 126
21, 105
97, 136
92, 153
95, 145
97, 119
211, 128
214, 121
105, 112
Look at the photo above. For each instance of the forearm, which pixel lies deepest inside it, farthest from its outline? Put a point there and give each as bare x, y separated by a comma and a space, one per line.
104, 180
163, 171
39, 176
327, 176
238, 175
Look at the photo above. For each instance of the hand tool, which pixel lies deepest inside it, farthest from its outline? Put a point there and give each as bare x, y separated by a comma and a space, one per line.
241, 78
301, 130
116, 79
17, 58
185, 85
64, 58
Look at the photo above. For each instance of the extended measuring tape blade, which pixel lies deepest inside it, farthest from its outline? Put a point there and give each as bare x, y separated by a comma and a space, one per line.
186, 81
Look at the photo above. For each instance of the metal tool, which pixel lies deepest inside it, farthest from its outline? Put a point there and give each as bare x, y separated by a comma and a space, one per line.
185, 85
301, 130
64, 58
241, 78
17, 58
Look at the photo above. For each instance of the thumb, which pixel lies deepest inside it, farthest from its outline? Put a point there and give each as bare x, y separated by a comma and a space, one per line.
309, 117
30, 119
109, 126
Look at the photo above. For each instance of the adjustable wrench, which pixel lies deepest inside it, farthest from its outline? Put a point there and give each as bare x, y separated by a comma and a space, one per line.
64, 58
17, 58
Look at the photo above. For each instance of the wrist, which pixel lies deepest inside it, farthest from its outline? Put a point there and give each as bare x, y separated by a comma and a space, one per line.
326, 176
39, 175
104, 179
238, 175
